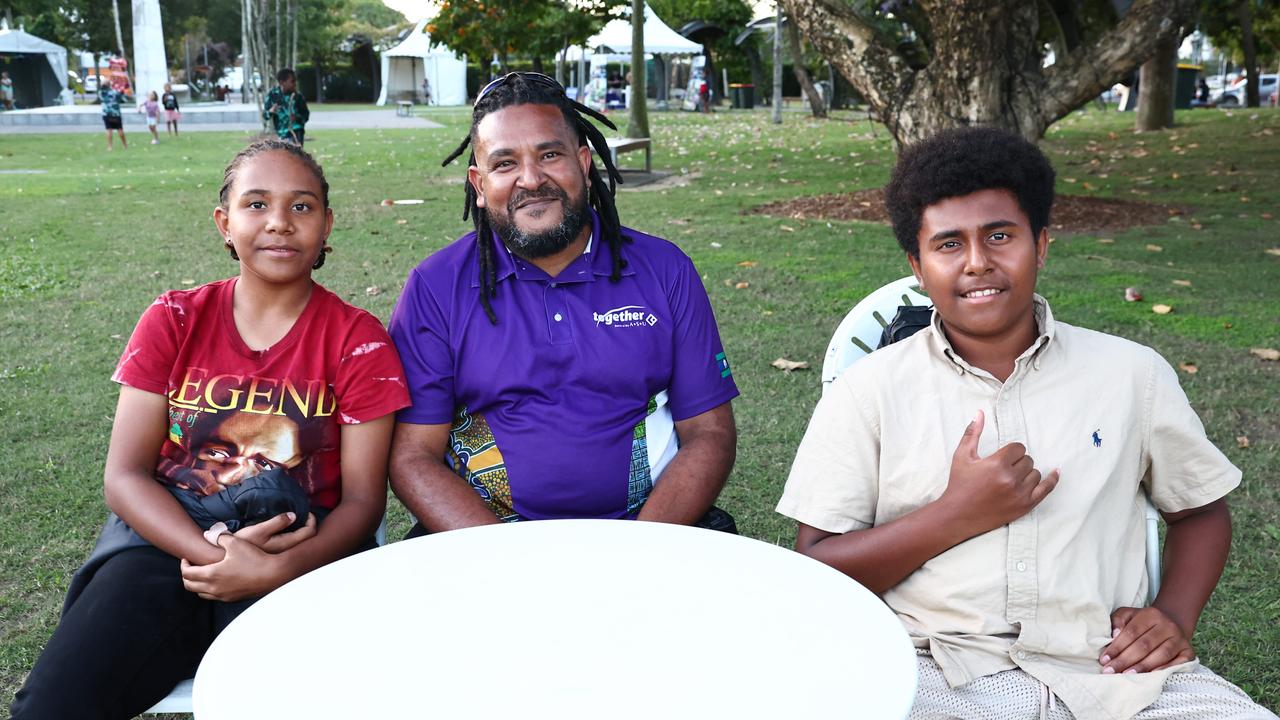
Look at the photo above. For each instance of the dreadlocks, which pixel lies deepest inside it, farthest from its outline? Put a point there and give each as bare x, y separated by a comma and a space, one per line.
522, 89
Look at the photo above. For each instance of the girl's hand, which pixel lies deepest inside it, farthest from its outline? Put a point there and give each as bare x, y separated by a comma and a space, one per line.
246, 571
267, 535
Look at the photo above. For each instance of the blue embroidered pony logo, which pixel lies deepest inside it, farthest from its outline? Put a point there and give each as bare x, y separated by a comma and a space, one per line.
1097, 439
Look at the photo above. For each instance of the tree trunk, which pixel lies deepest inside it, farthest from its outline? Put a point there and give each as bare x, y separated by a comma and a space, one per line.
246, 48
1156, 83
777, 65
638, 105
276, 50
293, 26
997, 82
817, 103
318, 64
1250, 50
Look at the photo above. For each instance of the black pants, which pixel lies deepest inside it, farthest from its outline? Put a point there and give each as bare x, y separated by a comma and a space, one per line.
133, 634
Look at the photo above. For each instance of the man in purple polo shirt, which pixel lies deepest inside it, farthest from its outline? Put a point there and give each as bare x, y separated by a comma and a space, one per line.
560, 365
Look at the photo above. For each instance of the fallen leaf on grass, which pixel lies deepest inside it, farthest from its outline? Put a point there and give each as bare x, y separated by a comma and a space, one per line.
1182, 283
1154, 248
677, 221
1266, 216
716, 245
1197, 226
787, 366
787, 228
748, 263
741, 285
1242, 441
1106, 241
188, 281
1132, 295
1161, 309
373, 290
1188, 368
1272, 251
1270, 354
402, 221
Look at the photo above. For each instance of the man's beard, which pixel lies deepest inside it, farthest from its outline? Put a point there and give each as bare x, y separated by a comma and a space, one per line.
550, 241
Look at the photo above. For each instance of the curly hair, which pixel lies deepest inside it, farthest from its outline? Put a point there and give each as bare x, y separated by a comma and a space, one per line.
537, 89
962, 161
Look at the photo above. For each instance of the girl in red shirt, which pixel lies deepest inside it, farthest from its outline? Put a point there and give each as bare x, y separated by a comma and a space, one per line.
263, 375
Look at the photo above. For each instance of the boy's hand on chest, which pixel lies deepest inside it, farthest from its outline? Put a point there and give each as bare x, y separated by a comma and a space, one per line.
985, 493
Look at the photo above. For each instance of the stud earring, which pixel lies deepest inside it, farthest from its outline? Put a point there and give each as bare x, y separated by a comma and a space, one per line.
226, 242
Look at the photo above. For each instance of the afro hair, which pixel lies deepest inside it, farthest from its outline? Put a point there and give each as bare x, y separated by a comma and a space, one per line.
962, 161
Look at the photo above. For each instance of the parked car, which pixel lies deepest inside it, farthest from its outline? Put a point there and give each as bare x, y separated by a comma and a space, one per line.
1235, 93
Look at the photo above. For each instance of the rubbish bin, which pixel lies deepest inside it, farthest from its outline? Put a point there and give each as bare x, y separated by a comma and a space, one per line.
748, 95
1184, 89
735, 95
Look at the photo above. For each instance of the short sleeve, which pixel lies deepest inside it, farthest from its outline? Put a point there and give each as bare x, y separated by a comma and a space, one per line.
152, 350
701, 378
420, 332
1185, 469
370, 381
834, 481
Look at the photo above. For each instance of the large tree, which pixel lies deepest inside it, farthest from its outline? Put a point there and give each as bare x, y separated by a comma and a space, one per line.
925, 65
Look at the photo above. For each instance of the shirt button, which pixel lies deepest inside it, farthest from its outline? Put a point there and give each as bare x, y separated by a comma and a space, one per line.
1022, 655
1021, 566
553, 284
559, 317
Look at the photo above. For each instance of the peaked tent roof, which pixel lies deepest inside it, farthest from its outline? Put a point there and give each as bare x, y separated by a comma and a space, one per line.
417, 43
20, 41
658, 38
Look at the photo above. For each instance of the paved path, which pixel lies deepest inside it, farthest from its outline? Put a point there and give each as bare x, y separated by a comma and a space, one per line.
320, 120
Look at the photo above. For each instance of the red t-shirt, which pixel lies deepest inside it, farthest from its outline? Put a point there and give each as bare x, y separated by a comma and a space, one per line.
235, 412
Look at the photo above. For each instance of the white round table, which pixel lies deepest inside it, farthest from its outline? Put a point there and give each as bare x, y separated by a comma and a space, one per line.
564, 619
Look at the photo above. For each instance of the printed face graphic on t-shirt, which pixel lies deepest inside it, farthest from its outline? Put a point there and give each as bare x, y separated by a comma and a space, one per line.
244, 445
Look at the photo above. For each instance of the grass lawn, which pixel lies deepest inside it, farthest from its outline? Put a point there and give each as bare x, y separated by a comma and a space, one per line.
93, 237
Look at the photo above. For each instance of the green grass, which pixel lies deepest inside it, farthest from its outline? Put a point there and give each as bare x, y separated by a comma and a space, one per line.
88, 244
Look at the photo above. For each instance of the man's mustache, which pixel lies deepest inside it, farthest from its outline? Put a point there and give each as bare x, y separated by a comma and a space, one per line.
524, 196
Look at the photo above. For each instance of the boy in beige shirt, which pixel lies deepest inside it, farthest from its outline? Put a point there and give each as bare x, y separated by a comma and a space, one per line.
986, 476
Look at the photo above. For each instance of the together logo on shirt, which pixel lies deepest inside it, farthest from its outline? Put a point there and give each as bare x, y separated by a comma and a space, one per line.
625, 316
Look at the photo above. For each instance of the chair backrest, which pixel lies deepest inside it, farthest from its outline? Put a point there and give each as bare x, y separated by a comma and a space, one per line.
857, 336
859, 332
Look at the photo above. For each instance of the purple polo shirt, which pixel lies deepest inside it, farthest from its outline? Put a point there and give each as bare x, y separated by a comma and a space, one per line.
557, 411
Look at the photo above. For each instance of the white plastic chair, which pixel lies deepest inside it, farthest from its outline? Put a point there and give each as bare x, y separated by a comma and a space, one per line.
857, 336
178, 701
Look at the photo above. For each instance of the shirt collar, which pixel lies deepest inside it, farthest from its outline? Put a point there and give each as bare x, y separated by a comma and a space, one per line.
941, 346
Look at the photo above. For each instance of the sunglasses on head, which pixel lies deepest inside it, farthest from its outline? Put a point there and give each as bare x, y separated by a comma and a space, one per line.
537, 77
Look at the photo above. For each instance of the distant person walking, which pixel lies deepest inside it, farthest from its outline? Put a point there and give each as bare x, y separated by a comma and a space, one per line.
286, 108
111, 97
426, 92
6, 90
171, 113
152, 109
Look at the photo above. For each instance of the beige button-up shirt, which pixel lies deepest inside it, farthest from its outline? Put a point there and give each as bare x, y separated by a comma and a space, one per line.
1036, 594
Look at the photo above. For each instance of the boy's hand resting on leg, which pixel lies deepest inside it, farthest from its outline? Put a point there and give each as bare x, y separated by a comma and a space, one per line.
991, 491
1144, 639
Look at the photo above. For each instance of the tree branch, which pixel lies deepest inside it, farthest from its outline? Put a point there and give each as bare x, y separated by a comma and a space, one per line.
1089, 70
854, 48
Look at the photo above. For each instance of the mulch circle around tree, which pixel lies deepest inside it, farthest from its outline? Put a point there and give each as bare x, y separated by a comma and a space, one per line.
1072, 214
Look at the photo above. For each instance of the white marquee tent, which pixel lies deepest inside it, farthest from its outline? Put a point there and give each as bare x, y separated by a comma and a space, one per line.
405, 65
658, 38
36, 83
